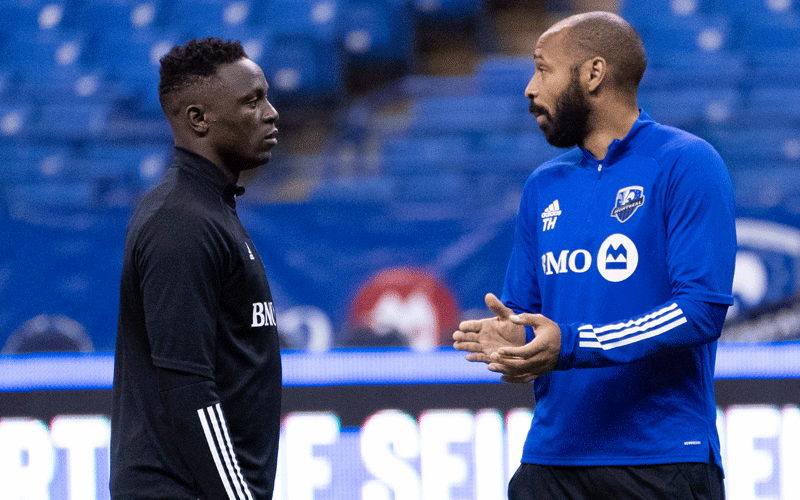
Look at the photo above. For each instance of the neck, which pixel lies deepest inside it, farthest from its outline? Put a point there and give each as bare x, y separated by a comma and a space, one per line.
611, 123
200, 149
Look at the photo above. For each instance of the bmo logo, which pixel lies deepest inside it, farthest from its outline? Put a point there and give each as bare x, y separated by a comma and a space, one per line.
617, 259
403, 306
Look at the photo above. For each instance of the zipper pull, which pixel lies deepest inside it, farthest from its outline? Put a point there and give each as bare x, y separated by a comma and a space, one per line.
599, 169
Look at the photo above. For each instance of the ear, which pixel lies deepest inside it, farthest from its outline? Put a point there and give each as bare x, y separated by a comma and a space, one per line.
196, 118
595, 71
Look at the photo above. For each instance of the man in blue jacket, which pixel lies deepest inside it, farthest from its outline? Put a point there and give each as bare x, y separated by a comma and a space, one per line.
617, 285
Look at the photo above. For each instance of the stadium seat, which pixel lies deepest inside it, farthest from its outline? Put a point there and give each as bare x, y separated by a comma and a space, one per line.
773, 65
696, 32
770, 31
426, 153
448, 10
29, 162
318, 19
773, 103
378, 31
696, 68
70, 121
140, 163
32, 15
644, 15
469, 113
125, 16
42, 56
15, 118
757, 145
504, 74
302, 69
691, 107
201, 18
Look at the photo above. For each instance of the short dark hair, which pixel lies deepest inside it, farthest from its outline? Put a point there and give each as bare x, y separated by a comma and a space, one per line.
609, 36
197, 60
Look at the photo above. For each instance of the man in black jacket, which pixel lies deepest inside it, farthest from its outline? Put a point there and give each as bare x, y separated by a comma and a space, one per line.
197, 377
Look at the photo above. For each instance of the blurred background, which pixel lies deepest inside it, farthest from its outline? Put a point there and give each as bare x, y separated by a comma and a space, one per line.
387, 211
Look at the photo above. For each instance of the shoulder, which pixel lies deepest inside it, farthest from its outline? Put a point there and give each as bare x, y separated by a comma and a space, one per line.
174, 214
557, 166
667, 144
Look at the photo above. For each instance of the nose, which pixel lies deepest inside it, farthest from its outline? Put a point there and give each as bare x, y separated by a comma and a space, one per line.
270, 114
531, 90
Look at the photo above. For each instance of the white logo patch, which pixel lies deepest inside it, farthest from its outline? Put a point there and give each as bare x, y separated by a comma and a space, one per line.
617, 258
550, 215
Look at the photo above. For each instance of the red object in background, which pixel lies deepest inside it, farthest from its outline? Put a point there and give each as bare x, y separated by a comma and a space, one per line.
408, 304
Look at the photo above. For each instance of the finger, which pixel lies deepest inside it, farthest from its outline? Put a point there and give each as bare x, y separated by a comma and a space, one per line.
527, 351
462, 336
468, 346
522, 379
497, 307
526, 319
470, 325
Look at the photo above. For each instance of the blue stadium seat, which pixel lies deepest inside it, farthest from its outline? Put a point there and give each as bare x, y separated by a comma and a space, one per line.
31, 15
697, 68
644, 15
708, 33
521, 152
469, 113
121, 16
775, 103
426, 153
40, 56
448, 10
771, 65
378, 31
504, 74
747, 11
690, 107
201, 18
770, 31
138, 71
31, 162
16, 118
315, 18
302, 69
140, 163
70, 121
758, 145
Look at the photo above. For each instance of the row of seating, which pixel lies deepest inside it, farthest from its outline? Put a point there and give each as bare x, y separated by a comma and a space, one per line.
305, 46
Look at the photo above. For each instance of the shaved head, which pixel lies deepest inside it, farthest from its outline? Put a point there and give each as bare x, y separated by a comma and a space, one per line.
606, 35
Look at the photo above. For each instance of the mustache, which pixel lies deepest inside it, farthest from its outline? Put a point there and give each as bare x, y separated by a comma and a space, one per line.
537, 110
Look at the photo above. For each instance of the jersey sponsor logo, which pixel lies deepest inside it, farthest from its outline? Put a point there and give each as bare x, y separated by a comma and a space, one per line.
617, 259
263, 314
628, 200
550, 215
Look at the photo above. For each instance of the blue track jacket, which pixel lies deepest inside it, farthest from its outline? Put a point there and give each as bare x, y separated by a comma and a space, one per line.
633, 257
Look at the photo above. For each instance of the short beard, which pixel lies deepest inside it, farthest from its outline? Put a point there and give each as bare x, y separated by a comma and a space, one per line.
569, 125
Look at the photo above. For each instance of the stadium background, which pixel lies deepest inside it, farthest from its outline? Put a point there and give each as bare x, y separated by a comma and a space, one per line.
386, 214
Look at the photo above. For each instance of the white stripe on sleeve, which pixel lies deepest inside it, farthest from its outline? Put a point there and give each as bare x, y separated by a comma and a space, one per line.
216, 432
622, 334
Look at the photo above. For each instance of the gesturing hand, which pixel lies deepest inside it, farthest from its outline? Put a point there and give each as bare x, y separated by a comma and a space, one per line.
483, 337
537, 357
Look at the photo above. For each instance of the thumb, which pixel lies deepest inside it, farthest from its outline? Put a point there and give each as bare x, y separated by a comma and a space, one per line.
497, 307
526, 319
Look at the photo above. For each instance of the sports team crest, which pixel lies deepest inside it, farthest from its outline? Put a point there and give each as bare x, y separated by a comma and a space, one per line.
628, 200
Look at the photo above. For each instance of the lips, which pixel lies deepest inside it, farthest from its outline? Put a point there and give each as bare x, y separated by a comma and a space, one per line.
271, 138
